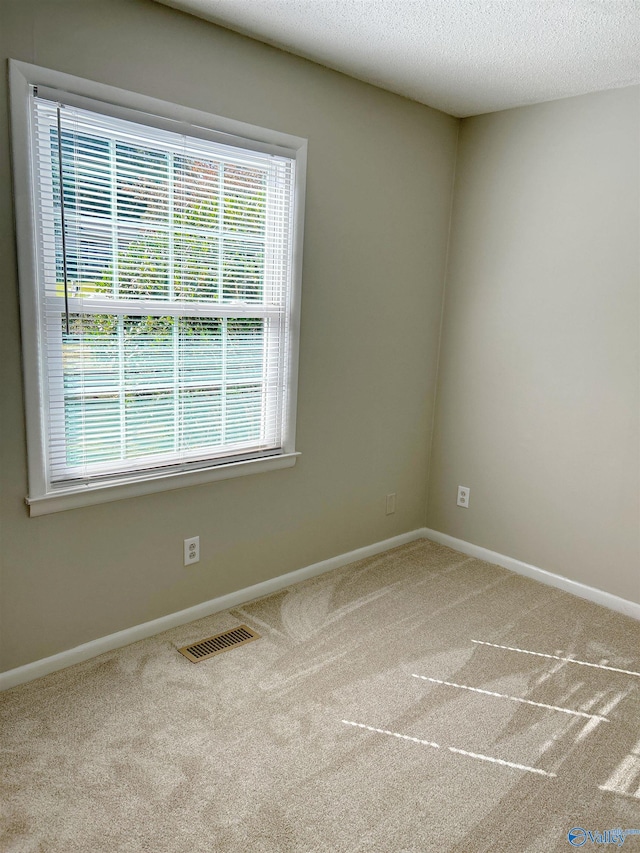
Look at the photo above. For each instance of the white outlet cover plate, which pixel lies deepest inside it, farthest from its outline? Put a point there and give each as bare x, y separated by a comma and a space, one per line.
191, 550
464, 494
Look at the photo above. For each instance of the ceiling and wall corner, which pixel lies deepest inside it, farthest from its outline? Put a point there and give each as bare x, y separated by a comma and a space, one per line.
465, 57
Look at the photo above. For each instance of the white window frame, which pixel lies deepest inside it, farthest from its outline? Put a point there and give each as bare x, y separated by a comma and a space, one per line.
22, 76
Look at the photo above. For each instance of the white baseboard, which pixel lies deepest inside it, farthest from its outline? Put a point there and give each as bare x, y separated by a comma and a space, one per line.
22, 674
598, 596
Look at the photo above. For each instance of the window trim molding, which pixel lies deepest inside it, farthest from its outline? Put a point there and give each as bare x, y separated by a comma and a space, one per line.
78, 496
22, 75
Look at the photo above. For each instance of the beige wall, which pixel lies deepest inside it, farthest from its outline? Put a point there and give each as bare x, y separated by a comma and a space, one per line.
379, 187
537, 402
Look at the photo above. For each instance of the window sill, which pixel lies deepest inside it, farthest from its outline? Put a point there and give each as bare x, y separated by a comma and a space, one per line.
79, 496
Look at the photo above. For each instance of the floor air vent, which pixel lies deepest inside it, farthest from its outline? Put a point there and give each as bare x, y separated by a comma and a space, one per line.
220, 643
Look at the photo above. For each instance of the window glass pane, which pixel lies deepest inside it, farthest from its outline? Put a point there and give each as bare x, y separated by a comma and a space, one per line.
90, 352
91, 379
245, 349
142, 264
196, 193
245, 200
142, 183
201, 416
244, 413
242, 271
148, 352
196, 267
137, 386
200, 351
86, 171
93, 429
150, 423
86, 174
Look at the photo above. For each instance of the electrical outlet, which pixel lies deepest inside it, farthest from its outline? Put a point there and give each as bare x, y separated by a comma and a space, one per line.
191, 550
464, 493
391, 504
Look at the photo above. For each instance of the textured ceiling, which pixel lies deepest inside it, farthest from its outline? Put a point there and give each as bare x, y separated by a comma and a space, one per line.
462, 56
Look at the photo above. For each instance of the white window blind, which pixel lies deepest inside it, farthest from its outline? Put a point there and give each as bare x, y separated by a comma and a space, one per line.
164, 296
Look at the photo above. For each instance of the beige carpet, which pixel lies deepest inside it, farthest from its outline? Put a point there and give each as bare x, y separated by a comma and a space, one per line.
320, 737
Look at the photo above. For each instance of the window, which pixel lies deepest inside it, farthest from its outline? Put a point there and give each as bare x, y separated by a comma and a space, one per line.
159, 266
